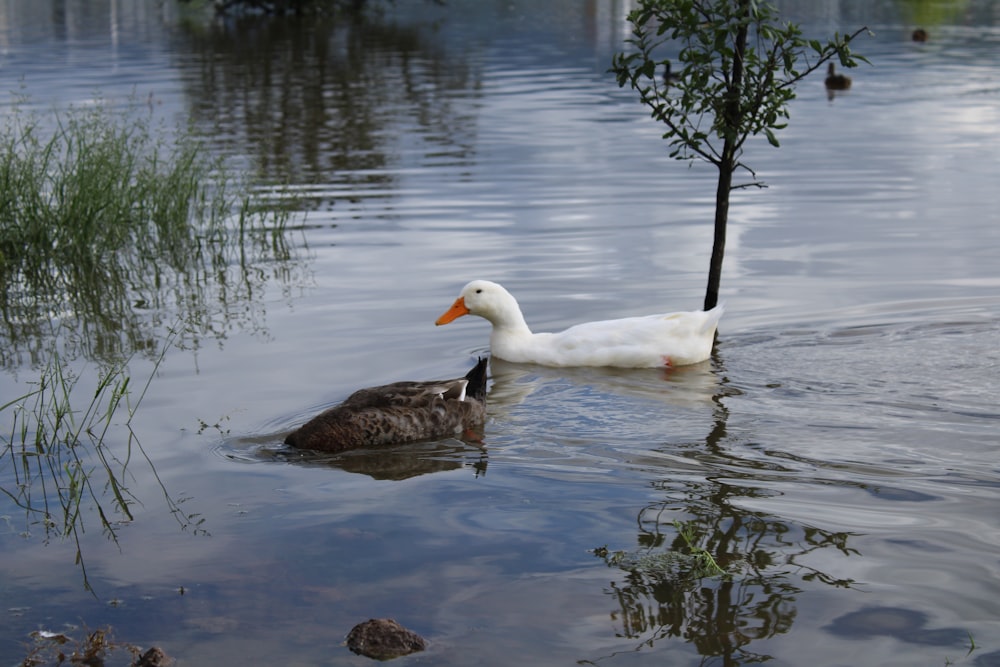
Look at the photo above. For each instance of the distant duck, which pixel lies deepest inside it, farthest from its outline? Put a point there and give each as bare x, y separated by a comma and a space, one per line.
919, 35
652, 341
669, 76
399, 413
836, 81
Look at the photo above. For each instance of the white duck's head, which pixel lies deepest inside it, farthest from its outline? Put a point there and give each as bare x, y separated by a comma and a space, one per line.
487, 300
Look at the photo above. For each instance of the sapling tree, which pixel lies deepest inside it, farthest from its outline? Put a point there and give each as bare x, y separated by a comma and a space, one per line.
738, 69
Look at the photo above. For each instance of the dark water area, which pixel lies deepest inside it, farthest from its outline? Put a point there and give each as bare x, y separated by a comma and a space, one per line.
838, 457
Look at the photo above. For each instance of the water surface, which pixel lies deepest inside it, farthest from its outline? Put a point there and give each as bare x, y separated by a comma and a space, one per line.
838, 456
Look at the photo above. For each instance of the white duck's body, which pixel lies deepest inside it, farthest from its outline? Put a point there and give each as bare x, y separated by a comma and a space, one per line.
652, 341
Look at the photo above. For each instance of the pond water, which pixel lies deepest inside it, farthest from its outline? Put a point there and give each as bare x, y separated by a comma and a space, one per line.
839, 456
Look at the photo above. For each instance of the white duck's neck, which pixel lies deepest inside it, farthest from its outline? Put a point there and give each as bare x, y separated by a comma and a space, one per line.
513, 325
509, 321
510, 337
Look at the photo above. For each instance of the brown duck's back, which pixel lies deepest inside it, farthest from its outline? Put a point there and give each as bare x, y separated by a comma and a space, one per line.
398, 413
348, 427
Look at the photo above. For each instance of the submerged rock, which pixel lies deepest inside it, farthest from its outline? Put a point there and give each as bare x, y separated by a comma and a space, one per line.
154, 657
383, 639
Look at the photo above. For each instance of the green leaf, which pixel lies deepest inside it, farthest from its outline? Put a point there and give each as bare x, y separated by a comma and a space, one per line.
710, 114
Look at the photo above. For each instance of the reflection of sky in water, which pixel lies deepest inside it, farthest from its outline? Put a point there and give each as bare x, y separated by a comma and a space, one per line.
556, 176
903, 624
856, 368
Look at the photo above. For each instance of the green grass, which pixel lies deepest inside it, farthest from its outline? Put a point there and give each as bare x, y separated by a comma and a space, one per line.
56, 460
688, 564
65, 460
95, 184
702, 561
111, 224
117, 238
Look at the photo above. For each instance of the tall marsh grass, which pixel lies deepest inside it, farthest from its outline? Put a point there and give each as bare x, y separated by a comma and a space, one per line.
110, 224
117, 238
57, 465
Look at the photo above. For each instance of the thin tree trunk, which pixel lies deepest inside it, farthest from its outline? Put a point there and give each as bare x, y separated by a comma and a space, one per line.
719, 240
727, 163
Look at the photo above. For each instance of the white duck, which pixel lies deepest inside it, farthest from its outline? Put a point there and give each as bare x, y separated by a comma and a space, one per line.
668, 339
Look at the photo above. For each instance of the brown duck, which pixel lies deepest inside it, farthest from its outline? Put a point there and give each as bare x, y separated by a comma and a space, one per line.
398, 413
836, 81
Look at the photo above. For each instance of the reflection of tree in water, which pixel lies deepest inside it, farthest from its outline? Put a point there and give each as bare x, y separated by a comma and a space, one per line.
664, 595
325, 101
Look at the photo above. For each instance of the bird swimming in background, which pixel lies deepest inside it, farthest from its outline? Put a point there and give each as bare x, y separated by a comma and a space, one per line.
919, 35
836, 81
669, 76
398, 413
652, 341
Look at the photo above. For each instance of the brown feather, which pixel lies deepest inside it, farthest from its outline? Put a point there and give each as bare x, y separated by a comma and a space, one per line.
398, 413
836, 81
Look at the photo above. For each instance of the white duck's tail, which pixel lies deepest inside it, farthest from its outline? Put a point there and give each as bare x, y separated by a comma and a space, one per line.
712, 317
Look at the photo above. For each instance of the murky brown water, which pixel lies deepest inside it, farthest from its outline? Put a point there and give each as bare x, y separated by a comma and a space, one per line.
839, 456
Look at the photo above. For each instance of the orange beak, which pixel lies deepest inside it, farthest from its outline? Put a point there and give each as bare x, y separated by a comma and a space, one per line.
456, 311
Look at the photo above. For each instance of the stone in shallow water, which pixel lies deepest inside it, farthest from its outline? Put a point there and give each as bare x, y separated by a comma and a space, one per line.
383, 639
154, 657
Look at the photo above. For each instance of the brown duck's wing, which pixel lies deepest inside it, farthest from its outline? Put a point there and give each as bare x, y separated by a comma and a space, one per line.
406, 393
398, 413
347, 427
473, 385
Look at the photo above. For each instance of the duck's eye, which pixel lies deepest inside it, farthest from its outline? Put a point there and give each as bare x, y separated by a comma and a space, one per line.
479, 291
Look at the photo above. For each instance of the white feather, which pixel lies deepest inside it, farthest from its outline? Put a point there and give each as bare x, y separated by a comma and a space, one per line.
668, 339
